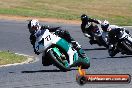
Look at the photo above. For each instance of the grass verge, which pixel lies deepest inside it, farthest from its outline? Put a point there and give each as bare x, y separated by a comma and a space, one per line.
10, 58
116, 11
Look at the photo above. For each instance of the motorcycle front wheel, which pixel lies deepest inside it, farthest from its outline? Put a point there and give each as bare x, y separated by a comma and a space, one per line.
128, 46
112, 53
58, 61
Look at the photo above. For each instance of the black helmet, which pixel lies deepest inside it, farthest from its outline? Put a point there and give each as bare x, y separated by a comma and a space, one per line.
104, 25
84, 17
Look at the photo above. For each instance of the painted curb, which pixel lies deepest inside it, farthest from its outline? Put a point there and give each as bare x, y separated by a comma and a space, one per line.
30, 59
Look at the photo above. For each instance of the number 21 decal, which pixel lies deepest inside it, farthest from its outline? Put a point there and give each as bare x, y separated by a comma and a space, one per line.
48, 38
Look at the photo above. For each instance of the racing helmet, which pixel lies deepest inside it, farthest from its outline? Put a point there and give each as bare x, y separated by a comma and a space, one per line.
33, 25
105, 25
84, 17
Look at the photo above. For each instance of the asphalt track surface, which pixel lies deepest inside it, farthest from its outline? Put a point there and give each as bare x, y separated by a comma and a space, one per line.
14, 37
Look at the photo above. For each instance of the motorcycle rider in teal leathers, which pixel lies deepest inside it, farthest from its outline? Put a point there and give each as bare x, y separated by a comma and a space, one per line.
36, 30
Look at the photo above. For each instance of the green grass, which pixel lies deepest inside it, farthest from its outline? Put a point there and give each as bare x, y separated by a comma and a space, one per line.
116, 11
10, 58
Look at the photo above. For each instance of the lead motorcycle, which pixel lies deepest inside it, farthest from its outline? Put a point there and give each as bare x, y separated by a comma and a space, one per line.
122, 42
59, 52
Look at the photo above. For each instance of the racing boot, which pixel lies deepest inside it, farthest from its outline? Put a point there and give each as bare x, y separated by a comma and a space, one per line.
36, 52
92, 42
77, 47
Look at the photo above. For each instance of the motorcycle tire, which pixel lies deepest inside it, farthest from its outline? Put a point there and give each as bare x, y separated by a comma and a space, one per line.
111, 53
46, 61
56, 62
127, 45
103, 42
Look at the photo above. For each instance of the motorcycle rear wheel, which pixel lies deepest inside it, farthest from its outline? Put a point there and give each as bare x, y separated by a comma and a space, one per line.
46, 61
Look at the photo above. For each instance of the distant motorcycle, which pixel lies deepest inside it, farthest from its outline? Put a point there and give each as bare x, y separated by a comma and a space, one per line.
100, 38
59, 52
123, 43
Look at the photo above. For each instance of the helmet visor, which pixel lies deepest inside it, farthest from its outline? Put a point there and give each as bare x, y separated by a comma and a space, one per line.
34, 27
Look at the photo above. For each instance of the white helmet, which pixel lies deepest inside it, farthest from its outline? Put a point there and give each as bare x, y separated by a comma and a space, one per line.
33, 25
105, 25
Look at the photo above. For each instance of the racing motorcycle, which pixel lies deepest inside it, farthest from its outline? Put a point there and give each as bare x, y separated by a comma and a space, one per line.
122, 42
57, 51
100, 37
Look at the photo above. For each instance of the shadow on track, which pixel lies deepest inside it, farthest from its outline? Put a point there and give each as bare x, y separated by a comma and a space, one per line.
99, 58
55, 70
121, 56
114, 57
95, 49
41, 71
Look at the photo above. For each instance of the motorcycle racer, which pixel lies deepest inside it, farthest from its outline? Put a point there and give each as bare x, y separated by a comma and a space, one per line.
87, 26
111, 30
36, 30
